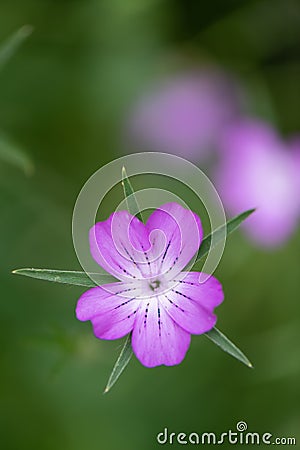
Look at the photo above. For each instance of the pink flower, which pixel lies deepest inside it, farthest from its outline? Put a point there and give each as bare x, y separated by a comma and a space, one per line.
184, 114
155, 299
258, 170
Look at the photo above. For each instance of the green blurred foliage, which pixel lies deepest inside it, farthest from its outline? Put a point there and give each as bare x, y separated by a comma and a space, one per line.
63, 97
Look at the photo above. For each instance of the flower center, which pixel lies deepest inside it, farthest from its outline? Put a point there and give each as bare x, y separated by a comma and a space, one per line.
154, 285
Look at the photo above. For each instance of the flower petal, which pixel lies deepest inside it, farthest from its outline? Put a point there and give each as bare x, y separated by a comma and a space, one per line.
191, 304
156, 338
120, 244
177, 233
111, 310
208, 294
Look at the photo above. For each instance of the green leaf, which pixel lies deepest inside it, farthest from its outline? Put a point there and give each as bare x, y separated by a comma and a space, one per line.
66, 276
218, 234
225, 344
11, 153
121, 363
129, 195
11, 45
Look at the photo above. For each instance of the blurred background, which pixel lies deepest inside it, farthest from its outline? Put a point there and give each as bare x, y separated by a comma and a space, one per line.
214, 82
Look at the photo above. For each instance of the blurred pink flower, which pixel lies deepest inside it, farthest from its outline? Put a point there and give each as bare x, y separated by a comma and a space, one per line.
257, 169
184, 114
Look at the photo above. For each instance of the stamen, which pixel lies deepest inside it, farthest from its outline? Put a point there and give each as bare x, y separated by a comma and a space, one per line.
154, 285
